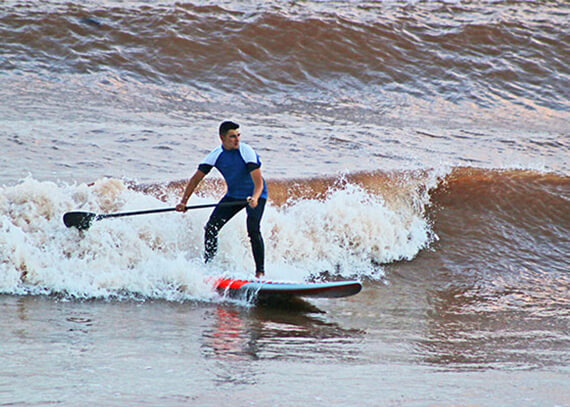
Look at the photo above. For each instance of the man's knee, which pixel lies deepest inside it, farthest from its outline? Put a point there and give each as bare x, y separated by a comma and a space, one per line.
211, 239
213, 226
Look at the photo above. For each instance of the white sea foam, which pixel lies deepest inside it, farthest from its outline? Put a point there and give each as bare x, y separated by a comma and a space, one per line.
348, 233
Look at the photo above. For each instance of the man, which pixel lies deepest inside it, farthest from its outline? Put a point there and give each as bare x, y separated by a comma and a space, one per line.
240, 166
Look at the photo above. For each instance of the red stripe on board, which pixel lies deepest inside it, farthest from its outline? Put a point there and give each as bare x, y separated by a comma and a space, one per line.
225, 283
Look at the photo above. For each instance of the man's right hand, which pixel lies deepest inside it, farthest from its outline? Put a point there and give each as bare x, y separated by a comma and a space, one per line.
181, 207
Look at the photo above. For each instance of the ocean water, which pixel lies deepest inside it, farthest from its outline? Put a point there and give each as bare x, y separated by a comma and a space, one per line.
419, 147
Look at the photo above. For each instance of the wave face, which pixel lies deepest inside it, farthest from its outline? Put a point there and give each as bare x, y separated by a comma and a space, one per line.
520, 217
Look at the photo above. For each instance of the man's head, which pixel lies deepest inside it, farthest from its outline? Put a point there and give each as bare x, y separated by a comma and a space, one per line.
229, 134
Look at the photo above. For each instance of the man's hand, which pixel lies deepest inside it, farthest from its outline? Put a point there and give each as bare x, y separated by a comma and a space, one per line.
181, 207
252, 201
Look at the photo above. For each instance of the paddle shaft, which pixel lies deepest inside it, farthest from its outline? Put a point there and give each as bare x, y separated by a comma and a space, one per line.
147, 211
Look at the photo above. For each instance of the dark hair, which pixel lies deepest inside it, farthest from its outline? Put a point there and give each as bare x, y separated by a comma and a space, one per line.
227, 126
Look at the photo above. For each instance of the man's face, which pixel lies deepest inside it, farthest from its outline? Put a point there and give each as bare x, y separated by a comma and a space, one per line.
231, 139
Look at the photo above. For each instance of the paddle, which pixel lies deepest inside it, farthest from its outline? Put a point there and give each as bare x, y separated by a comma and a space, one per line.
83, 220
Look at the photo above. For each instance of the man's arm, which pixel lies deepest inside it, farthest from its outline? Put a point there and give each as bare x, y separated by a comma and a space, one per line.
257, 187
190, 187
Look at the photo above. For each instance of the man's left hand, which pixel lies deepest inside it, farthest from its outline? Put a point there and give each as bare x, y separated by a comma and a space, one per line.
252, 201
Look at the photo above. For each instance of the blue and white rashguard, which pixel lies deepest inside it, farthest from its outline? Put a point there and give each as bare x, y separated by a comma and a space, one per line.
235, 166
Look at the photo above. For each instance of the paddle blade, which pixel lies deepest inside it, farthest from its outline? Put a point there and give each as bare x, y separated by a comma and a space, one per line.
80, 220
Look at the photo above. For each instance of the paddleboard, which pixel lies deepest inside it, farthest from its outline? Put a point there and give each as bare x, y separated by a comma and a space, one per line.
262, 288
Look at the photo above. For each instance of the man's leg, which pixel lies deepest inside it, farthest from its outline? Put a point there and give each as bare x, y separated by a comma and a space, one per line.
254, 232
218, 219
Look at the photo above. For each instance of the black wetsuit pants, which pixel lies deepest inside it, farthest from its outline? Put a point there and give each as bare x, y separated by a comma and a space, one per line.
221, 215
